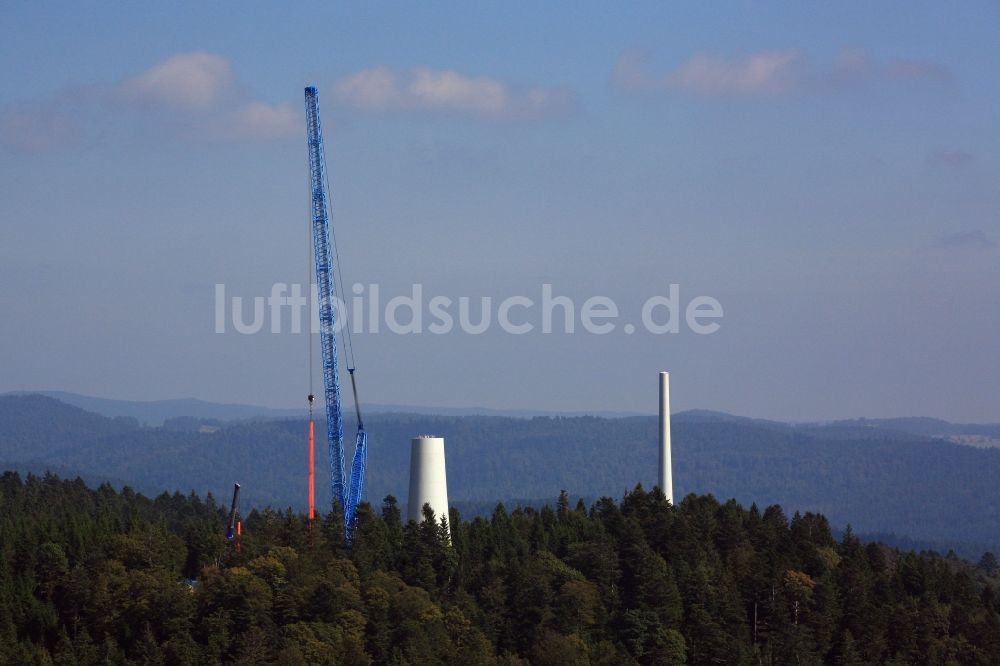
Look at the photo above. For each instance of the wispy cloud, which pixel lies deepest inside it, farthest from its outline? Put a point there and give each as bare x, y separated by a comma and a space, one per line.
258, 120
765, 72
950, 158
198, 96
918, 70
447, 91
966, 240
771, 72
38, 128
195, 95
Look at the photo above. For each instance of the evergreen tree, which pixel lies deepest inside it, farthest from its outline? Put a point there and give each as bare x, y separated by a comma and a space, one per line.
94, 577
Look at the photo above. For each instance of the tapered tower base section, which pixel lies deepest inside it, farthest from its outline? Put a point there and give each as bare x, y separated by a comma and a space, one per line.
665, 477
428, 481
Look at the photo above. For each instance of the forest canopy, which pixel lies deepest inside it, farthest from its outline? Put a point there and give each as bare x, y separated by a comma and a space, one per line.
94, 576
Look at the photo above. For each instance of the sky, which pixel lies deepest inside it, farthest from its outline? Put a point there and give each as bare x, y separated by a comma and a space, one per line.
828, 173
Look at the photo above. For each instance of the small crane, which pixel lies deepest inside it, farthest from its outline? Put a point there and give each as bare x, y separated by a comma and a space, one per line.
235, 529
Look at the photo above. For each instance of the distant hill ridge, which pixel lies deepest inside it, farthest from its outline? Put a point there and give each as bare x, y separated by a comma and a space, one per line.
874, 478
155, 412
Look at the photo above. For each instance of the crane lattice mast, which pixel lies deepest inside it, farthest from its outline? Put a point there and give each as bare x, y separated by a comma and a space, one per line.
323, 252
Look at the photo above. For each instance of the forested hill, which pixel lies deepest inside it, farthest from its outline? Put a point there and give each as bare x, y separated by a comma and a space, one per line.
99, 577
876, 479
156, 412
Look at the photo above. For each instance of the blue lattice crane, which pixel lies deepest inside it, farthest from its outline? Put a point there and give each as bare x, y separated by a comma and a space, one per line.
327, 275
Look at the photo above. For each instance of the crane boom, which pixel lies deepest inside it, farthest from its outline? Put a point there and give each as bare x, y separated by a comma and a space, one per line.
347, 496
325, 291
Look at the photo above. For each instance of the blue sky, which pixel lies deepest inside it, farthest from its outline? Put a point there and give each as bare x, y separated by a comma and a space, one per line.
829, 173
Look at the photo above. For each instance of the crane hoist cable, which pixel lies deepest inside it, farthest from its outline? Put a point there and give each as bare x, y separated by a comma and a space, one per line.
311, 397
348, 341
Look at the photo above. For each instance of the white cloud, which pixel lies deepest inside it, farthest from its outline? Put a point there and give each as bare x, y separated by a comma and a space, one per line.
448, 91
451, 91
371, 89
768, 72
203, 86
197, 96
187, 80
258, 120
760, 73
191, 95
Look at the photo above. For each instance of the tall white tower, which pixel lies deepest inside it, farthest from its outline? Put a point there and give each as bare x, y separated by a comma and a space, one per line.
428, 480
665, 478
